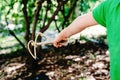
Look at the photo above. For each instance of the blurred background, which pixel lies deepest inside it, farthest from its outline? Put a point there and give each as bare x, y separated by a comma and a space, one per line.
21, 17
21, 20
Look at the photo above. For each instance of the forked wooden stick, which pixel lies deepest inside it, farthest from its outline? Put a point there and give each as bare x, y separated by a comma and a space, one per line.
35, 44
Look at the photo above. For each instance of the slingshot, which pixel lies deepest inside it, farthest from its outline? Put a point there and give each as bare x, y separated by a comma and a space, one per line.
35, 44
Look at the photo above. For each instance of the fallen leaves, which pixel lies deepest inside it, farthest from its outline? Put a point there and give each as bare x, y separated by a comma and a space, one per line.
74, 63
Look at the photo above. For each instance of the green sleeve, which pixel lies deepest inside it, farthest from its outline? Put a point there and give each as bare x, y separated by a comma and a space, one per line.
99, 13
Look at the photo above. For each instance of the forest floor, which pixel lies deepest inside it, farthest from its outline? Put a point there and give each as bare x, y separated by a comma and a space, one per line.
79, 61
84, 60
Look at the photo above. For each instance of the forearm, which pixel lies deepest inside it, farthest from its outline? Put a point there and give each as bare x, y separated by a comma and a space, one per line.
79, 24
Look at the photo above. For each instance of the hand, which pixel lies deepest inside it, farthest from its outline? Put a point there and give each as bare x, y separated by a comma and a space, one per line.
59, 40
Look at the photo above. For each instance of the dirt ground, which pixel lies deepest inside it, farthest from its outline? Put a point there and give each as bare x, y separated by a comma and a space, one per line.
79, 61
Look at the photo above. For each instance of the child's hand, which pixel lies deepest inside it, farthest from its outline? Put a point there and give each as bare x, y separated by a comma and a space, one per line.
59, 41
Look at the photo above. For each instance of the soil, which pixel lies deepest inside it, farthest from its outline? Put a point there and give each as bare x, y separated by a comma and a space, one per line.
78, 61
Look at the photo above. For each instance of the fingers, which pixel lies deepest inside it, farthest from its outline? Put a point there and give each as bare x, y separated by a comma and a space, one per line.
59, 42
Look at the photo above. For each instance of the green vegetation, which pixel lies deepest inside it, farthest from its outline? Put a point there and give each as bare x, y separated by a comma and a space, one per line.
20, 20
13, 17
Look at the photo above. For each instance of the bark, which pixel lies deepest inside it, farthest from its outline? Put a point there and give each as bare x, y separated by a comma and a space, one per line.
36, 15
70, 12
61, 3
24, 2
10, 31
56, 26
46, 13
30, 62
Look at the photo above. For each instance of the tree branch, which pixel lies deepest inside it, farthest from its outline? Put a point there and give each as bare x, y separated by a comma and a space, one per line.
10, 31
47, 8
56, 26
36, 15
24, 2
44, 28
68, 15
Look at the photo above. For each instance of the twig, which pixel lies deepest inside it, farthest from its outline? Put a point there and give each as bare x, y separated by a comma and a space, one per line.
10, 31
44, 28
68, 15
36, 15
35, 44
24, 2
56, 26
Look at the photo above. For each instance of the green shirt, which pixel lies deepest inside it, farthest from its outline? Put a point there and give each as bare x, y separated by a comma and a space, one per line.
108, 15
